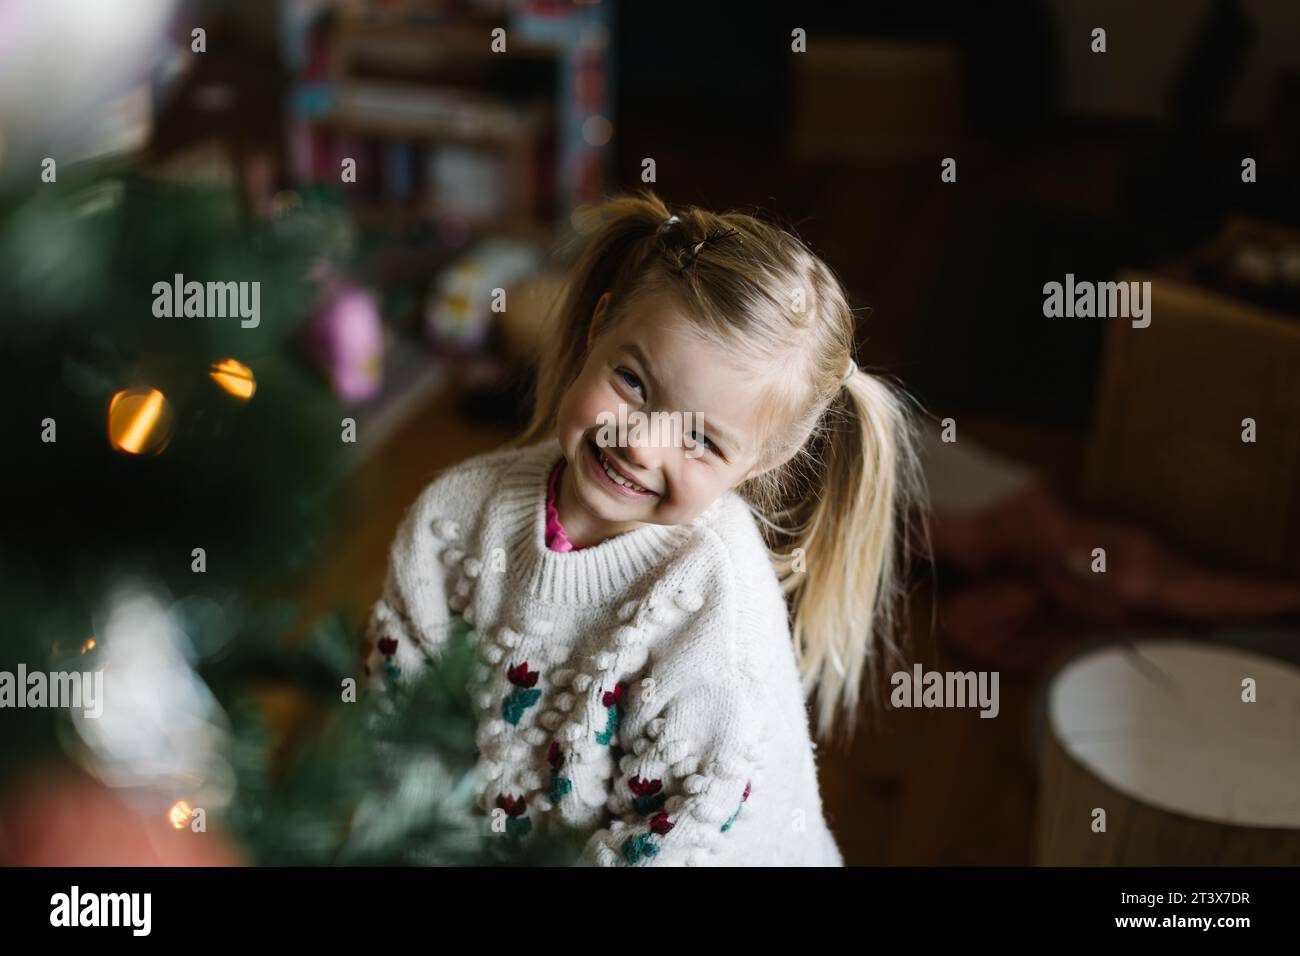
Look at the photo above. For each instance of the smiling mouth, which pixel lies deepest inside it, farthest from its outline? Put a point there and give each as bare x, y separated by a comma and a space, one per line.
615, 475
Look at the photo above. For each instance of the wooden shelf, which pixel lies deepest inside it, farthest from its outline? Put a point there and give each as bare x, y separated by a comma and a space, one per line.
364, 125
457, 39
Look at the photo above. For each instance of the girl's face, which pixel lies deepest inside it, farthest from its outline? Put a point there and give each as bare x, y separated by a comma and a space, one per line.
699, 423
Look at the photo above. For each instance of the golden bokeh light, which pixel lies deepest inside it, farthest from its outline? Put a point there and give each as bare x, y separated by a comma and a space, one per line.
139, 421
179, 815
235, 377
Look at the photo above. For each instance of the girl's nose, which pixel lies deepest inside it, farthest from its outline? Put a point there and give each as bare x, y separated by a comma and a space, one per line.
639, 455
641, 451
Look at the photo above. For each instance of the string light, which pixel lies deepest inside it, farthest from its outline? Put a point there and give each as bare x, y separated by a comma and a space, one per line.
179, 814
139, 421
234, 377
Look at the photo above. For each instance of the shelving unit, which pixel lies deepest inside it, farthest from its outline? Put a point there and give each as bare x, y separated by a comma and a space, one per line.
454, 128
454, 143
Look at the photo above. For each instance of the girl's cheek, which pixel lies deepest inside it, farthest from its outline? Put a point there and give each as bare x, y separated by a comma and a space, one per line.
582, 403
597, 397
689, 491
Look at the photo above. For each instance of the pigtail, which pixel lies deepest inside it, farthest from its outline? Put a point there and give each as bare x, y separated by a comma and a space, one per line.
845, 568
610, 262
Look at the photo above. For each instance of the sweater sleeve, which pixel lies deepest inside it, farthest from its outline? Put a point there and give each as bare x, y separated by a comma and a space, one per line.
412, 618
691, 745
678, 813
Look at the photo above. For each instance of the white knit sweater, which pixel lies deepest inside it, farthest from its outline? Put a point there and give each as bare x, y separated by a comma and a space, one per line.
642, 691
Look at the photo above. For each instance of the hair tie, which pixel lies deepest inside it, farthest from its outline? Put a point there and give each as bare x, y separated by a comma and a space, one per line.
663, 226
698, 247
848, 371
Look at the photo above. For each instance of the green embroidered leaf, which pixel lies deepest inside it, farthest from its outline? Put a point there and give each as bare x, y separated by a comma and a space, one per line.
560, 786
603, 737
636, 848
517, 701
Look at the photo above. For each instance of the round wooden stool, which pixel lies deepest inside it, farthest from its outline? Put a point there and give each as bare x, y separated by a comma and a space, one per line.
1160, 737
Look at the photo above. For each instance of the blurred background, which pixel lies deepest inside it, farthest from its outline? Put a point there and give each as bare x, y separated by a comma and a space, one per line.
381, 167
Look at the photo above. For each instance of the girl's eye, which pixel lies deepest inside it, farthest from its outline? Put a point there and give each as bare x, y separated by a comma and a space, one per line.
630, 378
634, 382
703, 440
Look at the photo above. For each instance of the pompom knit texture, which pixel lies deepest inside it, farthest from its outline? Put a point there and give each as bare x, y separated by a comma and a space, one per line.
642, 692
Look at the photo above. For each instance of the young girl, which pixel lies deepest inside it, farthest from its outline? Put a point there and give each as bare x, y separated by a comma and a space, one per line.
652, 604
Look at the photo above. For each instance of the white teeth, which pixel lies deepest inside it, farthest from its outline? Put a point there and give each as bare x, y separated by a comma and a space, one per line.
619, 479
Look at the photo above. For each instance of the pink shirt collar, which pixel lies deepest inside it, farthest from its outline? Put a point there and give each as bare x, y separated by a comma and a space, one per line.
556, 539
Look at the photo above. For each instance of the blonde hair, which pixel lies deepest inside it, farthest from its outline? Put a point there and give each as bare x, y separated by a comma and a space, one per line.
842, 475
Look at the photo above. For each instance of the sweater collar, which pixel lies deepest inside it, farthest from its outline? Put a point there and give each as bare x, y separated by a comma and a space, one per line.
591, 575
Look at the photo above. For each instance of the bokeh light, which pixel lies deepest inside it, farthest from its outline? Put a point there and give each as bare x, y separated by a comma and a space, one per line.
234, 377
139, 421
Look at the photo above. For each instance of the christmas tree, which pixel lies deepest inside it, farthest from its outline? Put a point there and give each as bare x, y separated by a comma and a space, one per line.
169, 469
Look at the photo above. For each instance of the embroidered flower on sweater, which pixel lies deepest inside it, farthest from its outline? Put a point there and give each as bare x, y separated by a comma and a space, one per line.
649, 794
639, 847
524, 694
559, 786
521, 676
388, 647
610, 699
515, 807
636, 848
732, 819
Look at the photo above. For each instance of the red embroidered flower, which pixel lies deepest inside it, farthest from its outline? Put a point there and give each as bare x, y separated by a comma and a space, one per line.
746, 794
511, 805
387, 646
554, 757
660, 824
644, 788
521, 676
613, 697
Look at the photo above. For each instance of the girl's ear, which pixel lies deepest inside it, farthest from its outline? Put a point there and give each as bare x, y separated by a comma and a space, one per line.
759, 468
601, 304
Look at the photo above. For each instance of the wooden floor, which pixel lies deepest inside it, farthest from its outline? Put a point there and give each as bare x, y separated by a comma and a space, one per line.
939, 786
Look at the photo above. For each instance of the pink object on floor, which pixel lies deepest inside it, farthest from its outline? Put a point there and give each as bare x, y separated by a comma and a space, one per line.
556, 539
1031, 593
